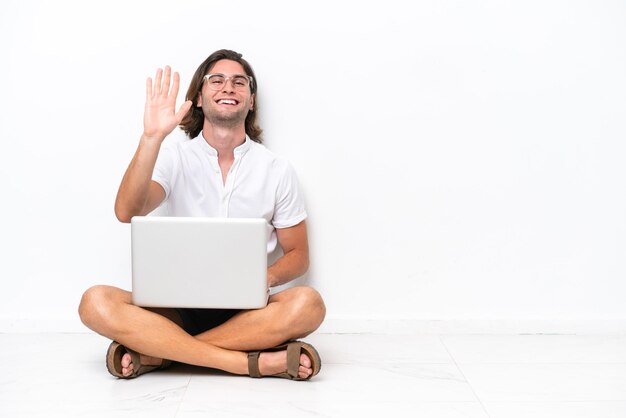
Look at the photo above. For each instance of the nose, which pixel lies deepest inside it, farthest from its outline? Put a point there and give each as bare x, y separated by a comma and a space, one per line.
229, 85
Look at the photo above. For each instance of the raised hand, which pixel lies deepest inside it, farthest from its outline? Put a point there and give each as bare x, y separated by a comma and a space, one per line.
160, 116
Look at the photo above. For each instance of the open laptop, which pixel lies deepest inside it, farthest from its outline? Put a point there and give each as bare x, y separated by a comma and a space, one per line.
199, 262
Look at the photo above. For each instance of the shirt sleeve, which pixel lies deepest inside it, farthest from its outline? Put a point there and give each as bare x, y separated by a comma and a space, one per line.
290, 209
164, 169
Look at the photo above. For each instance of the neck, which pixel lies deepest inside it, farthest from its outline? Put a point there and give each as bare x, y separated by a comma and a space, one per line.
224, 139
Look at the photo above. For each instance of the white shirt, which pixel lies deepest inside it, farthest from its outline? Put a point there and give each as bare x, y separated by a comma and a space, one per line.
259, 184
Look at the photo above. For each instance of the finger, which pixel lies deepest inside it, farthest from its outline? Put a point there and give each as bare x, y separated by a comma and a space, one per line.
166, 81
148, 88
175, 85
184, 108
157, 82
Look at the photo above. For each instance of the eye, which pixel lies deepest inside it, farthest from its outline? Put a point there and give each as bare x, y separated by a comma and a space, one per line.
240, 81
216, 80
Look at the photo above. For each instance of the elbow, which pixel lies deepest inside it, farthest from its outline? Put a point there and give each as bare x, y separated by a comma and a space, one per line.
122, 218
122, 215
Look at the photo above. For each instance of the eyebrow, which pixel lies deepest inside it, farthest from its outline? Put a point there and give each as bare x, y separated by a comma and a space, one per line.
233, 75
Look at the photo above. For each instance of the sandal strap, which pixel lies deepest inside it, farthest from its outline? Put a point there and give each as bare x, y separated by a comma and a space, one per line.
253, 364
135, 359
294, 350
144, 368
116, 351
293, 358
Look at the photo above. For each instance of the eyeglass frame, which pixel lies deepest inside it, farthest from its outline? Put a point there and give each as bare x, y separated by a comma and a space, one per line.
246, 76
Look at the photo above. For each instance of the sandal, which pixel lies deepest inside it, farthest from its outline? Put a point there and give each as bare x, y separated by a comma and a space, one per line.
114, 362
294, 349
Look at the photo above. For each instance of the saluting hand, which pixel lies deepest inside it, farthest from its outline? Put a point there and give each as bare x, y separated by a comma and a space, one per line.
160, 116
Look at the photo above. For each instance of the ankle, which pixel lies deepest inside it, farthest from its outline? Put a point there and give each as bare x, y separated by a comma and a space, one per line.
149, 361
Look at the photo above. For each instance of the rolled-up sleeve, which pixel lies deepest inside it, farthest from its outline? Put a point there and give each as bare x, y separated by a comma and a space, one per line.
290, 207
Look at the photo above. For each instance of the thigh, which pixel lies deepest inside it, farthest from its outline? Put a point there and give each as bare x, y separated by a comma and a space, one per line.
121, 295
126, 297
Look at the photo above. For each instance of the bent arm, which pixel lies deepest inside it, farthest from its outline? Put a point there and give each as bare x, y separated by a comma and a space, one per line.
138, 193
295, 261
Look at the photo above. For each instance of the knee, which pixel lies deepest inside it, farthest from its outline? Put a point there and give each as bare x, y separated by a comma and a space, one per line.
309, 309
94, 306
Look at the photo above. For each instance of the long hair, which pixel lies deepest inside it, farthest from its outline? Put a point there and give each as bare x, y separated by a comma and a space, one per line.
193, 120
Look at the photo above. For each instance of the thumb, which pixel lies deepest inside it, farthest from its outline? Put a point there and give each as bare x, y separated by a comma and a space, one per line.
182, 111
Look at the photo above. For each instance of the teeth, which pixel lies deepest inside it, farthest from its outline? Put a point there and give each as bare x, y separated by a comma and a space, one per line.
227, 101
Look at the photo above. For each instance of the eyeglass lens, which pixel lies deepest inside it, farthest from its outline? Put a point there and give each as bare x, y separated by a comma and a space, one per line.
217, 81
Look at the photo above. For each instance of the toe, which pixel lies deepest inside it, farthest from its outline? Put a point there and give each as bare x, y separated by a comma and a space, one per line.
305, 361
304, 372
127, 365
305, 369
126, 360
127, 371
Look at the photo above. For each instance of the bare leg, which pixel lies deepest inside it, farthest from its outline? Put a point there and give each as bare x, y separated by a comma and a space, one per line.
293, 313
290, 314
108, 311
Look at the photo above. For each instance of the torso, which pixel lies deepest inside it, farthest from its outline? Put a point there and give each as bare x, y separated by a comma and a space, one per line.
254, 183
225, 165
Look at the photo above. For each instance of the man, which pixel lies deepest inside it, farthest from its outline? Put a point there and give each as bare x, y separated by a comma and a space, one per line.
222, 171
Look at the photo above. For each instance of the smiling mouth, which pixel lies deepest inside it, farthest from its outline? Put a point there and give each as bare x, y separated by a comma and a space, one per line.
230, 102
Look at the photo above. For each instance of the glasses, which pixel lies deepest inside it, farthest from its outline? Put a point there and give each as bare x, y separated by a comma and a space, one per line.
238, 81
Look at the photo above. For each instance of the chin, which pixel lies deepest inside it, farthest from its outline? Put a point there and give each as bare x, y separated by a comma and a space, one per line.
226, 120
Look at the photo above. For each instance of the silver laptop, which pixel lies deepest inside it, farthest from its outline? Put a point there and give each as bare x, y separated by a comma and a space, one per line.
199, 262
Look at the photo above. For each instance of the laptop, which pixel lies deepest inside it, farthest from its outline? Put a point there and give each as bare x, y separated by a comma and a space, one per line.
188, 262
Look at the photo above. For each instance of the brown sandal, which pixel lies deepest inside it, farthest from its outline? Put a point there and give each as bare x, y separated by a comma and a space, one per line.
294, 349
114, 362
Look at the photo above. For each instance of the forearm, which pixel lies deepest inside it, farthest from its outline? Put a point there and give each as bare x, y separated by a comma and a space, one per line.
133, 192
288, 267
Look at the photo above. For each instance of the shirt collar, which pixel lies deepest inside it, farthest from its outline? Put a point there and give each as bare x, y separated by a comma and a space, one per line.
240, 150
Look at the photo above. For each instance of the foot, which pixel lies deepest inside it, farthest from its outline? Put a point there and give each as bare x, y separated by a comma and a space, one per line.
127, 363
276, 362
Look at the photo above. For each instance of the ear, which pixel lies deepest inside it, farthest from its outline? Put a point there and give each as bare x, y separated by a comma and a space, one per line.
252, 102
199, 102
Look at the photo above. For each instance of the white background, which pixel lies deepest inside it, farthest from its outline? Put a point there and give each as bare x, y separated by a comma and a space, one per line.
461, 160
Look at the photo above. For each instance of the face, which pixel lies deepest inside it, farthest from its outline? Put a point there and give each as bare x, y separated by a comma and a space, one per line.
227, 106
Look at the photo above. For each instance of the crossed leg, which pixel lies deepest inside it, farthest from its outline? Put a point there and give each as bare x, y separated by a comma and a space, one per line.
157, 334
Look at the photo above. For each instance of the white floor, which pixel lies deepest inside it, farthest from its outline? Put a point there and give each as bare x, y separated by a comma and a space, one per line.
63, 375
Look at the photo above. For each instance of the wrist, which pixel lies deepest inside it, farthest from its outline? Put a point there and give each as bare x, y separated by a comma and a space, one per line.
271, 280
152, 138
150, 143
